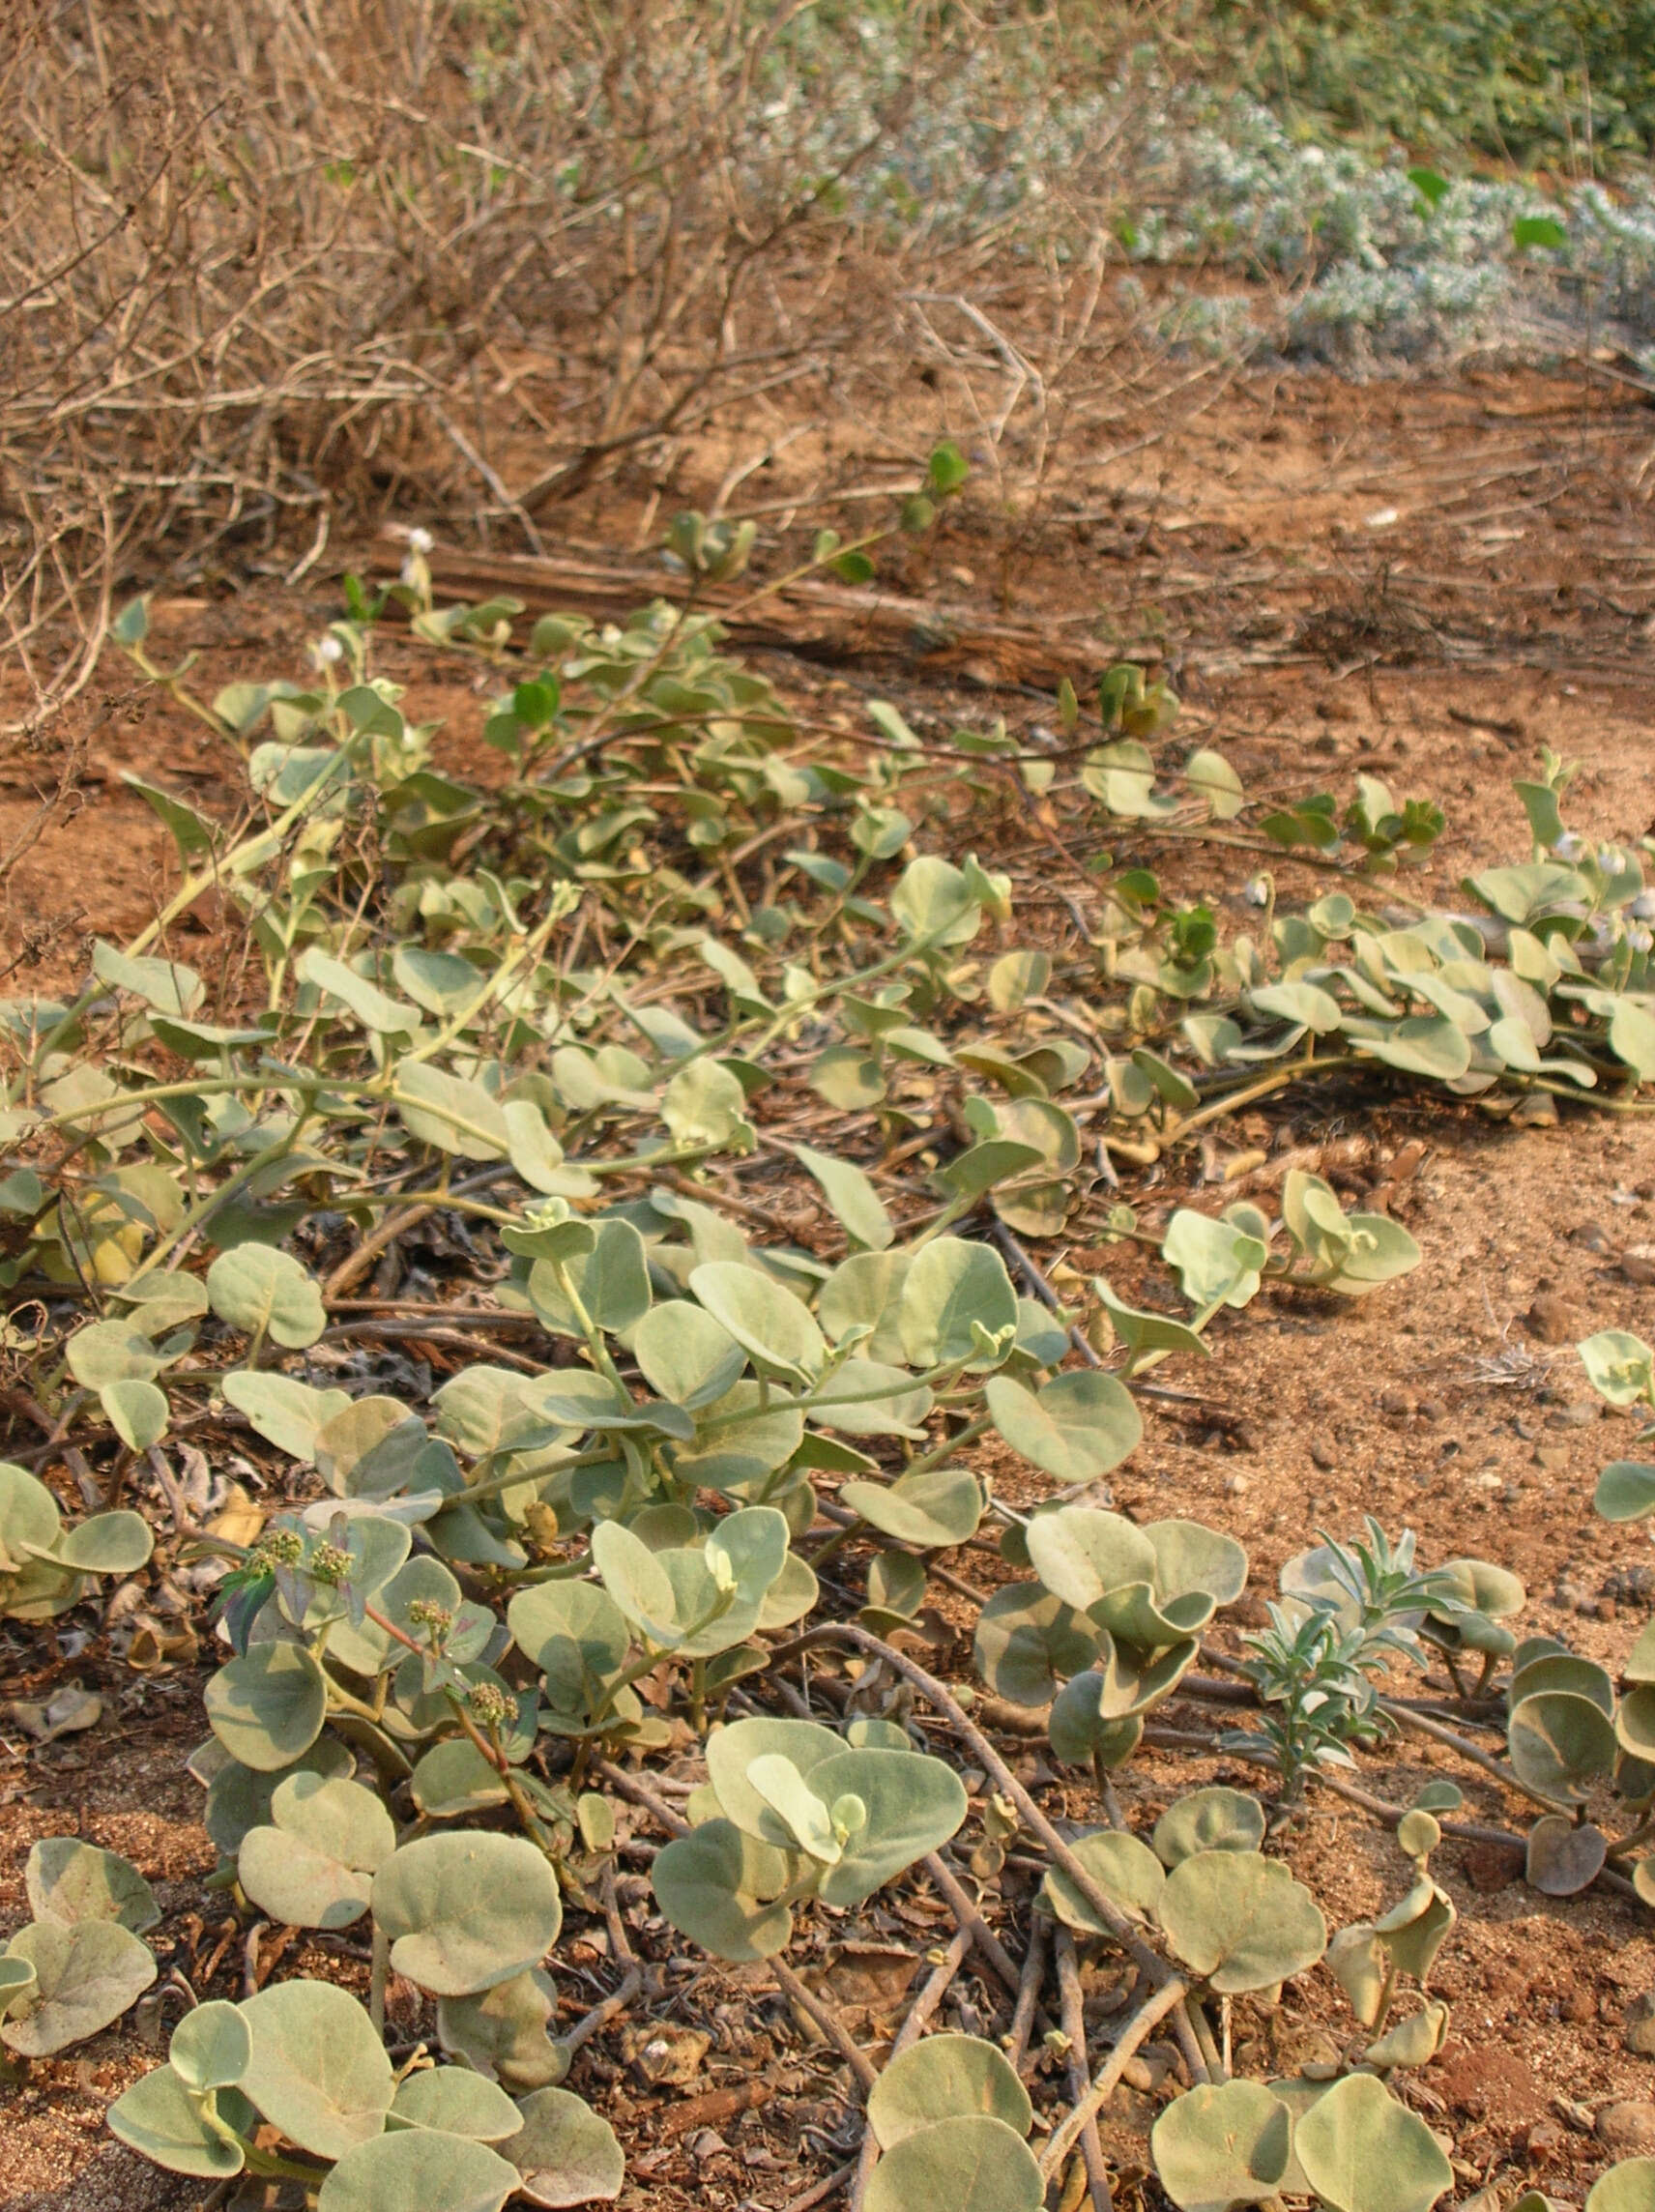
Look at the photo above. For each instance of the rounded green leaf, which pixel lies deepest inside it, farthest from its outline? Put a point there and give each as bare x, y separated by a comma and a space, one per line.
1488, 1589
974, 2164
285, 1412
933, 901
106, 1544
138, 1412
453, 1778
1439, 1797
1562, 1671
1422, 1044
456, 2102
1028, 1643
211, 2046
1625, 1491
866, 1291
1620, 1366
418, 2167
85, 1977
1082, 1729
467, 1910
1361, 2151
777, 1330
238, 1797
313, 1865
731, 1751
267, 1291
267, 1707
1081, 1553
1190, 1556
790, 1596
1413, 1930
1210, 1820
1635, 1721
933, 1507
866, 1398
1240, 1920
611, 1281
1126, 1871
946, 2078
708, 1884
854, 1200
17, 1979
1136, 1616
912, 1803
1418, 1834
158, 2118
576, 1635
451, 1112
29, 1519
1559, 1743
105, 1353
1221, 2146
1628, 2186
317, 2069
685, 1355
950, 1286
1217, 1261
567, 2153
69, 1881
1357, 1960
1078, 1427
1415, 2041
502, 2032
1303, 1003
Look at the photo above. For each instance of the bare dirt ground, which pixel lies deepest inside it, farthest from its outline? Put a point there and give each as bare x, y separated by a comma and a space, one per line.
1426, 581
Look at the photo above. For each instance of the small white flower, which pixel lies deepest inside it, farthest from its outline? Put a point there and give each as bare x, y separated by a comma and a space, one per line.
1257, 892
1643, 907
421, 541
1570, 846
329, 651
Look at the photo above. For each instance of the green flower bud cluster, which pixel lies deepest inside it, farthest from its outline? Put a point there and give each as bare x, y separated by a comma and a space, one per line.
277, 1548
490, 1707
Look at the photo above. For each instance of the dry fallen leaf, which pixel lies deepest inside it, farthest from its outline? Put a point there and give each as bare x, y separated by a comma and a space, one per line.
67, 1711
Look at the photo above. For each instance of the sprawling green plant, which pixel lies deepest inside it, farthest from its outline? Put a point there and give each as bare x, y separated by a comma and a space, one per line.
570, 1047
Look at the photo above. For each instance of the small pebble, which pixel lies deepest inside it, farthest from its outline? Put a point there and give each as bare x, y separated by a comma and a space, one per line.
1396, 1403
1322, 1454
1432, 1409
1638, 1263
1551, 1455
1236, 1486
1628, 2126
1552, 1318
1580, 1414
1592, 1235
1640, 2033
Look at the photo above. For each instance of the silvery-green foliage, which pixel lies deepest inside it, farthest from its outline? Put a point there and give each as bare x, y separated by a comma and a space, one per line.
46, 1566
950, 2118
796, 1812
468, 1614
